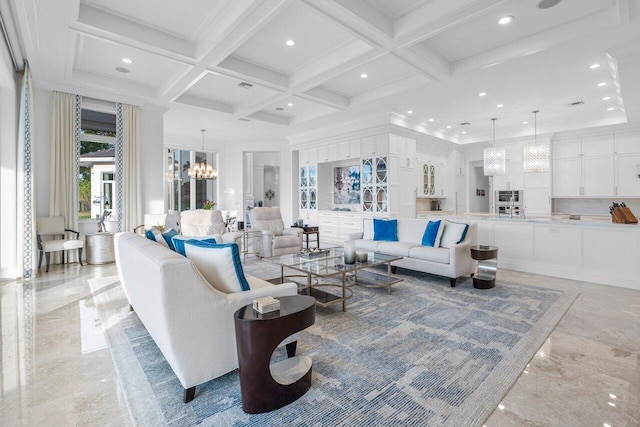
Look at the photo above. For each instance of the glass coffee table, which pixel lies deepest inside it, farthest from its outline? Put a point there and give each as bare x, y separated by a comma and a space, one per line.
331, 264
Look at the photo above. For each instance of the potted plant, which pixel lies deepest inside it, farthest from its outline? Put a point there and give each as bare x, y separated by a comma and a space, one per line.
208, 204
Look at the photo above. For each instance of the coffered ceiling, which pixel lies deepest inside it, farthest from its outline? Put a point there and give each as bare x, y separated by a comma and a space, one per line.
225, 65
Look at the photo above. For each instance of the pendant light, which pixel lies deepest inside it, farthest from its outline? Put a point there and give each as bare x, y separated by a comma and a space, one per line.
203, 170
536, 154
495, 158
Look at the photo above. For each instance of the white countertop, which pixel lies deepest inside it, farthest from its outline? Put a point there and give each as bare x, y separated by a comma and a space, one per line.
585, 220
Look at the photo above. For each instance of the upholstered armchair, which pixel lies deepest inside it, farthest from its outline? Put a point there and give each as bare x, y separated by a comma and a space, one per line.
53, 226
276, 240
206, 222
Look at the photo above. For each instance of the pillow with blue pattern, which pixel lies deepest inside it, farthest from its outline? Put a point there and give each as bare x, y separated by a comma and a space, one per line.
219, 264
163, 238
179, 241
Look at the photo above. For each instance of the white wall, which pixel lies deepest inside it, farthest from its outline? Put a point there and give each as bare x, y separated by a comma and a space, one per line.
152, 164
9, 90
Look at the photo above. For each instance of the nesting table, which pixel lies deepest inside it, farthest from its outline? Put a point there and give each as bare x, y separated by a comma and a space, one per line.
487, 257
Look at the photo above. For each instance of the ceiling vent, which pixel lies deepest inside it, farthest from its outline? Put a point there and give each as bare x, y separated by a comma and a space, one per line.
546, 4
243, 119
279, 109
245, 85
575, 104
464, 124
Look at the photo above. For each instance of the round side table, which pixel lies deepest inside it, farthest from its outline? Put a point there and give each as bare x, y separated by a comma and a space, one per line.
100, 248
487, 257
264, 386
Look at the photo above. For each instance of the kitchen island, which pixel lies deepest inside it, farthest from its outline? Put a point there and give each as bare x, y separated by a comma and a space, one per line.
592, 249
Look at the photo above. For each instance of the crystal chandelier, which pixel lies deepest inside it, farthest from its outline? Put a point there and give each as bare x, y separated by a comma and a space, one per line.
495, 158
203, 170
536, 154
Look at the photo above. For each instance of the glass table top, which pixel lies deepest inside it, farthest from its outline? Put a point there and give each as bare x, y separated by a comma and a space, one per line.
331, 263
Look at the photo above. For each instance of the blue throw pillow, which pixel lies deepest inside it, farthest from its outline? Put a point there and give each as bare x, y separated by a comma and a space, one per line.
385, 229
150, 235
219, 264
179, 241
432, 234
167, 238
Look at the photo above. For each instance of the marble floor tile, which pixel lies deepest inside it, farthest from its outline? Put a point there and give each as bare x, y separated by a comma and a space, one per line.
55, 368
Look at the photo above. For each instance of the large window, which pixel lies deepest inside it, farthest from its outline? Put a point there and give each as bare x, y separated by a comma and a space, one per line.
187, 193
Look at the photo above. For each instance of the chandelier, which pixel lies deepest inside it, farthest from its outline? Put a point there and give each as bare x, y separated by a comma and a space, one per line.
536, 154
495, 158
203, 170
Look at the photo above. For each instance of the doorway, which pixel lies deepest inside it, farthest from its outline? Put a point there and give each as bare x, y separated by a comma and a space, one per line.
480, 189
261, 183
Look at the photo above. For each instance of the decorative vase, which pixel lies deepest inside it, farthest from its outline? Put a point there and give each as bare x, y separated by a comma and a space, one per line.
362, 255
350, 253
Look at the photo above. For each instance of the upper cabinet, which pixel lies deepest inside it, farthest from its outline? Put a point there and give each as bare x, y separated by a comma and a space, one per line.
308, 156
327, 153
406, 149
375, 145
348, 149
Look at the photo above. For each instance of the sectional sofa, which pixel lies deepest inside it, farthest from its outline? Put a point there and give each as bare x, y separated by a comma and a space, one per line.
453, 260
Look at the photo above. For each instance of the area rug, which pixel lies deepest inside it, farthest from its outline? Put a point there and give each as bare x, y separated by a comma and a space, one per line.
427, 354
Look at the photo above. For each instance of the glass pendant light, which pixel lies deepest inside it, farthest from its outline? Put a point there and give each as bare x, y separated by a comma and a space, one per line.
495, 158
536, 154
203, 170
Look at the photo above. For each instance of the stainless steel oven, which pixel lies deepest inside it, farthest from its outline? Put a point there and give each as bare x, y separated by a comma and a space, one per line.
509, 202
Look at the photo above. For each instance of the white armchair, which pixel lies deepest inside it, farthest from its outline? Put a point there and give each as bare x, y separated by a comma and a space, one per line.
206, 222
53, 226
276, 240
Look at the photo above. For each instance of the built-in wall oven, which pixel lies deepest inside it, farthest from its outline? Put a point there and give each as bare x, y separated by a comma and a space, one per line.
509, 202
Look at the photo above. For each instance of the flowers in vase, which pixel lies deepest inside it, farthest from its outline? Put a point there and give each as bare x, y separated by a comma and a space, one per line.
208, 204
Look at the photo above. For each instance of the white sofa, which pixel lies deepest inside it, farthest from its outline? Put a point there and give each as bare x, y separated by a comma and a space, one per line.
450, 262
190, 321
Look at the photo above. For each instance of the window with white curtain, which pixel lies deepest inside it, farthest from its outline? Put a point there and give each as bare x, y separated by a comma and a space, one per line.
185, 193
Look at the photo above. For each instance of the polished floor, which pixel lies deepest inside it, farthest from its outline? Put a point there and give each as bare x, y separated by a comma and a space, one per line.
56, 369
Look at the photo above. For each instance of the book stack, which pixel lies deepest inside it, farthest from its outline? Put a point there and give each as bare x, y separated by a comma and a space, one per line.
266, 305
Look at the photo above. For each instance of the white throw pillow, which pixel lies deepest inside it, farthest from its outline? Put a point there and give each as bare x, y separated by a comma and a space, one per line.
219, 264
179, 241
453, 234
367, 226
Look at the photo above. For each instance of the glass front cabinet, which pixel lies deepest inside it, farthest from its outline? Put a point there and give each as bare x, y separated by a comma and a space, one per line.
375, 184
308, 187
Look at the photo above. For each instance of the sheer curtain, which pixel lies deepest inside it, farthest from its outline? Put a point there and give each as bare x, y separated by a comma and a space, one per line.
65, 132
128, 167
26, 209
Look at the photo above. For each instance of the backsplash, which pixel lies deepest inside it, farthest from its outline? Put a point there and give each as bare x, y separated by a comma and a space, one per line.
592, 206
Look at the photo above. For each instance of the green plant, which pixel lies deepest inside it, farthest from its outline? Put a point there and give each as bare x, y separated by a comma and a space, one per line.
208, 204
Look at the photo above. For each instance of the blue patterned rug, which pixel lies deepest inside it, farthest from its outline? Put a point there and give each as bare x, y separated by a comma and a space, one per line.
427, 354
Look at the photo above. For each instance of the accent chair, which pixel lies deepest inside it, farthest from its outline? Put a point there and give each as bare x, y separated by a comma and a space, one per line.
276, 240
53, 227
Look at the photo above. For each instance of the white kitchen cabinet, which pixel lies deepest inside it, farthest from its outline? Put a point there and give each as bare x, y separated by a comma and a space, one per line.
307, 155
348, 149
433, 181
537, 201
567, 149
327, 153
375, 145
406, 148
627, 143
627, 168
567, 177
512, 180
597, 176
601, 145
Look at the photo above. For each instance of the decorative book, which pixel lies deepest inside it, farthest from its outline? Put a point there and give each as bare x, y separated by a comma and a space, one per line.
266, 305
312, 253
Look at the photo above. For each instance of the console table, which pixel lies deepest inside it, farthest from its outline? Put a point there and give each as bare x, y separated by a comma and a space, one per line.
265, 387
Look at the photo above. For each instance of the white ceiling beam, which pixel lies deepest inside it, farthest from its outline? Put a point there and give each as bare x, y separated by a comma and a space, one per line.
208, 104
350, 57
399, 86
271, 118
106, 83
250, 107
437, 16
105, 25
538, 42
243, 70
253, 18
426, 61
326, 97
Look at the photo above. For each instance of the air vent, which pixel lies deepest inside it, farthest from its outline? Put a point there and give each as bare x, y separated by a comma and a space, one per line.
575, 104
122, 69
546, 4
245, 85
243, 119
464, 124
279, 109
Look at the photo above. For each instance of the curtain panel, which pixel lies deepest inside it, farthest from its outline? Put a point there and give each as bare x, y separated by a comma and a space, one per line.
26, 207
65, 135
128, 167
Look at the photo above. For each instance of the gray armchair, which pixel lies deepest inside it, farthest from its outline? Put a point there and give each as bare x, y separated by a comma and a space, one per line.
276, 240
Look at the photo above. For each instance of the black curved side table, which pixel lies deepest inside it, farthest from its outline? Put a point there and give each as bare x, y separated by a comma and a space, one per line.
265, 386
487, 257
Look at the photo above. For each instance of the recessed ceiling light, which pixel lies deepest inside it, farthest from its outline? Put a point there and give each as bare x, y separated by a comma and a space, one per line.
364, 75
290, 42
610, 109
594, 66
482, 94
127, 60
505, 20
290, 104
606, 98
448, 126
430, 120
525, 123
602, 84
410, 112
122, 69
463, 132
613, 396
500, 105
